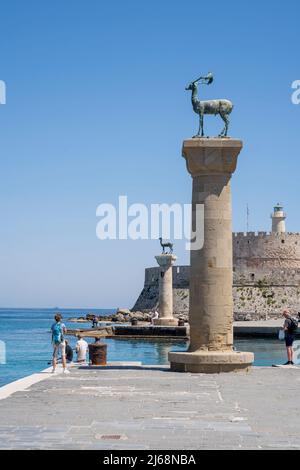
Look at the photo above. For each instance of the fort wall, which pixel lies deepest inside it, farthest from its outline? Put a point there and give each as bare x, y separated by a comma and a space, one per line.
266, 277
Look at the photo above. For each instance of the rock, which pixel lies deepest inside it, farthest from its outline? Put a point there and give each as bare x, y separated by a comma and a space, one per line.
118, 317
139, 316
89, 316
147, 317
131, 315
104, 317
123, 311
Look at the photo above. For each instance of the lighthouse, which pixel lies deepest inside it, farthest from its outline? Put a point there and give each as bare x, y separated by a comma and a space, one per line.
278, 219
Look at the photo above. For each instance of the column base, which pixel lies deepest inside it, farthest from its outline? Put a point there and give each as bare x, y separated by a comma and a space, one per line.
211, 362
165, 322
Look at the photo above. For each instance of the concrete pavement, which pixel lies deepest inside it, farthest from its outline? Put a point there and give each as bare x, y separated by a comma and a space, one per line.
154, 408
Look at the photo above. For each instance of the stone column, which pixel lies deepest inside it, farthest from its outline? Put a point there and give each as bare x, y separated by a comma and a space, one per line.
211, 162
166, 291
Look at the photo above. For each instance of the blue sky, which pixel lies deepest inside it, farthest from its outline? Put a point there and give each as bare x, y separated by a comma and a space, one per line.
96, 108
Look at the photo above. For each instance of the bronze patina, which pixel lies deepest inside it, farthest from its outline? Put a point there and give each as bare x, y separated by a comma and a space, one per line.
221, 107
166, 245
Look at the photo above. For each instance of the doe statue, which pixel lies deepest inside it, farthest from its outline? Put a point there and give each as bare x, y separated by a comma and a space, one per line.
221, 107
166, 245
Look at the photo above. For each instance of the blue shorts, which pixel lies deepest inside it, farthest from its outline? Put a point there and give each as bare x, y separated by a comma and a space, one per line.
289, 339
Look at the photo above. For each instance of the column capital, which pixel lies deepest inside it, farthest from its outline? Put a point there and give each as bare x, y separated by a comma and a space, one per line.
165, 261
211, 156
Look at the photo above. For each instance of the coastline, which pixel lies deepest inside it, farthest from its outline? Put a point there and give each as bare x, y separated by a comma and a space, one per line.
242, 330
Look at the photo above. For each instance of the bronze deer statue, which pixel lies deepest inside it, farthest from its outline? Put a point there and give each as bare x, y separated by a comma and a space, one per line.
166, 245
221, 107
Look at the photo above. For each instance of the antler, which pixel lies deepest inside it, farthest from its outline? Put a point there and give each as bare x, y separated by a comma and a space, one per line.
208, 79
198, 79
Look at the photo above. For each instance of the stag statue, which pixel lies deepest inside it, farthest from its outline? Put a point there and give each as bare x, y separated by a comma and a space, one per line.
166, 245
221, 107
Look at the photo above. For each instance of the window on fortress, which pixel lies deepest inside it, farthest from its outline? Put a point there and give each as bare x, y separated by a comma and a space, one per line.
252, 276
282, 241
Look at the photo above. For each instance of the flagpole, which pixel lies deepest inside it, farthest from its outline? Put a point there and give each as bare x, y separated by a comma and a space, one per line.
247, 218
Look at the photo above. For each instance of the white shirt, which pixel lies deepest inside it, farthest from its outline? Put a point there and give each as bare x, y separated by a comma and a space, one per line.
154, 317
81, 349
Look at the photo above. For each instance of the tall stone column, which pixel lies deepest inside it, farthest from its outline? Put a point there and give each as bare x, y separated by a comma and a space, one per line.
211, 162
166, 291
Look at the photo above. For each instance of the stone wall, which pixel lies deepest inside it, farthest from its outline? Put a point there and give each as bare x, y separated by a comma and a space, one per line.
266, 277
266, 255
148, 298
181, 276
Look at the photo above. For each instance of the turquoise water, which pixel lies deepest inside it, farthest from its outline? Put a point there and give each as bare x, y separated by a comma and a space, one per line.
26, 333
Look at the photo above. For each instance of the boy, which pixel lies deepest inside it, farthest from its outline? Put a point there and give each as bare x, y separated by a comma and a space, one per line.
58, 330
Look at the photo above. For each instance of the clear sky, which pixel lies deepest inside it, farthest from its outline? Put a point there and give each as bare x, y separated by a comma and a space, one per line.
96, 108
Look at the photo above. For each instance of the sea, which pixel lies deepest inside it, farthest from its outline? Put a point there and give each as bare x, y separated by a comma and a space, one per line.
25, 343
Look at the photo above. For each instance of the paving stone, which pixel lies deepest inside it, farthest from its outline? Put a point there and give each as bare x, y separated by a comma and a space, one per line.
155, 409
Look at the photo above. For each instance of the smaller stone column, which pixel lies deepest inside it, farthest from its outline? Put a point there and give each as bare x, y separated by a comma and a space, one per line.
166, 318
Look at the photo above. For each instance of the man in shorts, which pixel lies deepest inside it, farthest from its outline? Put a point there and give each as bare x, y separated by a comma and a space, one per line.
58, 330
289, 330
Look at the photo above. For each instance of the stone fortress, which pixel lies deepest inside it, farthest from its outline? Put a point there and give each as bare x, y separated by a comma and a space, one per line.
266, 275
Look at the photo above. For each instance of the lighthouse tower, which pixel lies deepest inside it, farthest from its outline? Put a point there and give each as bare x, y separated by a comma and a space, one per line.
278, 219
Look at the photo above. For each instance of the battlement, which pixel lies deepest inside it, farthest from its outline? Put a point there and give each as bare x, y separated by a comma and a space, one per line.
264, 234
250, 234
274, 257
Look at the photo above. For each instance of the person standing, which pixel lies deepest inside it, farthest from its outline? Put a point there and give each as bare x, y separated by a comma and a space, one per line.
290, 327
81, 349
69, 352
58, 330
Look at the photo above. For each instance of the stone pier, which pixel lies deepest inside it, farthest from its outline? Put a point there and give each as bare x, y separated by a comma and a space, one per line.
166, 317
211, 162
149, 407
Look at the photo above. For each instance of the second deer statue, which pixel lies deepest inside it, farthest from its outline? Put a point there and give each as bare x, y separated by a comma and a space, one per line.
166, 245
